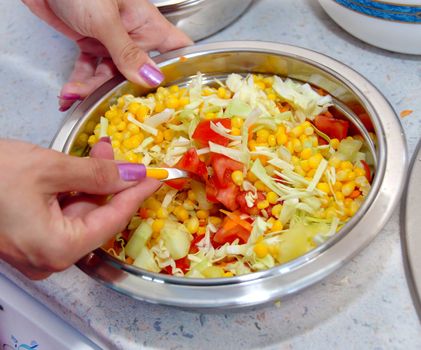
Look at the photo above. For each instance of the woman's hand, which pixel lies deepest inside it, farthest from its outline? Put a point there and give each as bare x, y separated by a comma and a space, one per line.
110, 34
42, 228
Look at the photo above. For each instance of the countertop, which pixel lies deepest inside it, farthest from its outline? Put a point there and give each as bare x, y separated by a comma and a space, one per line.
364, 305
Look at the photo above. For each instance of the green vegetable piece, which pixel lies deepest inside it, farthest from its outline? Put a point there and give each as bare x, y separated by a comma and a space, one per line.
138, 239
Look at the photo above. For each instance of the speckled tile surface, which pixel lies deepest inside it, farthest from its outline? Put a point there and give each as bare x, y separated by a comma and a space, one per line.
365, 305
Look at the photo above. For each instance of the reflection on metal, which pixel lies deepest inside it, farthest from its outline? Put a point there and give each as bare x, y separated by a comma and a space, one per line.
411, 229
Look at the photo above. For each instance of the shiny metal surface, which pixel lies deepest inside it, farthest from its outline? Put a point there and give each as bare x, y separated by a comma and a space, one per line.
411, 233
201, 18
350, 89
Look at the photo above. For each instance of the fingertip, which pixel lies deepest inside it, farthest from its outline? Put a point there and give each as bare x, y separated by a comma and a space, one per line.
151, 74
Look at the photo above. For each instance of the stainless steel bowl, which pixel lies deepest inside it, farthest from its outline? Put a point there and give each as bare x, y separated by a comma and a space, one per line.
201, 18
220, 59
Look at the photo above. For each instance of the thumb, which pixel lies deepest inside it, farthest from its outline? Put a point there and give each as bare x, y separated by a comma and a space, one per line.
130, 59
92, 175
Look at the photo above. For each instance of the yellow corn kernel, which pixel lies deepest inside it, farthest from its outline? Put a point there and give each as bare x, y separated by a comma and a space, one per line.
121, 126
168, 134
260, 186
276, 210
297, 145
281, 139
347, 188
330, 212
262, 135
110, 114
262, 204
202, 214
152, 203
334, 143
188, 204
133, 107
111, 130
133, 128
157, 225
339, 195
359, 171
92, 140
228, 274
335, 162
315, 160
159, 107
115, 121
174, 88
337, 186
201, 230
300, 171
192, 225
214, 220
132, 142
251, 177
261, 249
235, 131
272, 140
341, 175
115, 144
272, 197
236, 122
311, 173
172, 103
297, 131
306, 153
323, 186
191, 195
303, 138
221, 92
252, 145
271, 96
181, 213
277, 226
351, 176
237, 177
159, 137
309, 131
183, 101
261, 85
305, 166
162, 213
346, 165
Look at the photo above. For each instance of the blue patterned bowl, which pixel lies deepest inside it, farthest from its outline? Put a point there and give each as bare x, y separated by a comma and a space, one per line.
393, 25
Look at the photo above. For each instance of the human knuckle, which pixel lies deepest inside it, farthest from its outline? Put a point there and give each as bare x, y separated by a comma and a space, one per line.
99, 173
130, 53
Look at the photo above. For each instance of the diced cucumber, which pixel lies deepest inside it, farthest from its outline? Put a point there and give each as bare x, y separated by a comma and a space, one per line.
138, 239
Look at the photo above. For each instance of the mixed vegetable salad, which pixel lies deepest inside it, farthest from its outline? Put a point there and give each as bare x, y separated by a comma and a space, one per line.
276, 173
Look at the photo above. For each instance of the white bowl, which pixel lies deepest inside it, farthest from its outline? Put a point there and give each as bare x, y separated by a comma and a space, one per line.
393, 25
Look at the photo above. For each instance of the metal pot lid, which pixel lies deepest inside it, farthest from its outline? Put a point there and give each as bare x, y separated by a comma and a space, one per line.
411, 233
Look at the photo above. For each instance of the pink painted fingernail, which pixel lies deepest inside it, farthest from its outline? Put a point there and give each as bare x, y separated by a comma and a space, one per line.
106, 139
70, 97
131, 171
151, 74
64, 108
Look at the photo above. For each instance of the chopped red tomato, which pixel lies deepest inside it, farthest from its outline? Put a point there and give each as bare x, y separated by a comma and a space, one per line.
223, 168
183, 264
143, 213
332, 127
190, 162
227, 196
178, 184
230, 231
241, 200
203, 132
193, 244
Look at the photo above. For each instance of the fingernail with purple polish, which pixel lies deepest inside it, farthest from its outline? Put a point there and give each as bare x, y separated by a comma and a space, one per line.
131, 171
151, 74
70, 97
64, 108
106, 139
